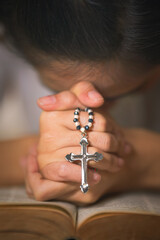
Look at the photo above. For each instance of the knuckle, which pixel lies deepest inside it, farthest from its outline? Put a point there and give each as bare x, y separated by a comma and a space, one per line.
46, 138
93, 150
56, 172
43, 117
106, 142
47, 119
62, 171
39, 195
111, 161
84, 85
75, 136
69, 98
101, 121
45, 171
113, 164
48, 172
46, 146
53, 115
29, 192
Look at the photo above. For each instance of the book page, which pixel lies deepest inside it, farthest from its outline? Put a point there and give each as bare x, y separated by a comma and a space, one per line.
18, 196
135, 202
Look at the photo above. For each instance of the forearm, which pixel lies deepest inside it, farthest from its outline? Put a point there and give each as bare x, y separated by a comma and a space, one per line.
141, 169
10, 154
144, 164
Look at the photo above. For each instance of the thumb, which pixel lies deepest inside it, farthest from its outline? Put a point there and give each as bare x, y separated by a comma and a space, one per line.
87, 94
82, 94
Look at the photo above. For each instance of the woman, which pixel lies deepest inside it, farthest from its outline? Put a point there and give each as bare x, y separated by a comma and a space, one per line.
94, 52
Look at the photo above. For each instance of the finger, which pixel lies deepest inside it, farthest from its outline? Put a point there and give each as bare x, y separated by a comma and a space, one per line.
87, 94
65, 118
32, 152
94, 193
63, 171
23, 162
61, 101
110, 162
80, 95
24, 168
104, 141
79, 198
33, 149
44, 189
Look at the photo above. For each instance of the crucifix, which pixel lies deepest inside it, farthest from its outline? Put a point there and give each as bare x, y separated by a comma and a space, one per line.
84, 157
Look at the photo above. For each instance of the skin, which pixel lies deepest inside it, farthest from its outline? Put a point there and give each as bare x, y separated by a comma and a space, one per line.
11, 153
105, 81
44, 180
111, 79
139, 172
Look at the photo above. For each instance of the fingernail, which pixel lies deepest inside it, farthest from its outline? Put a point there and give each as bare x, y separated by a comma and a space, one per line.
48, 100
96, 177
120, 162
127, 148
94, 96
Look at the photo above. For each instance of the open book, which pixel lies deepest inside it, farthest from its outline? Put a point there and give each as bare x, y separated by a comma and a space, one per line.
126, 216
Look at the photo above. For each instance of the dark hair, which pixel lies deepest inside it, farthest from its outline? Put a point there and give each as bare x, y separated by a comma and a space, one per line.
93, 30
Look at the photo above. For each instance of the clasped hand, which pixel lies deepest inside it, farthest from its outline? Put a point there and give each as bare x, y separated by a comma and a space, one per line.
47, 173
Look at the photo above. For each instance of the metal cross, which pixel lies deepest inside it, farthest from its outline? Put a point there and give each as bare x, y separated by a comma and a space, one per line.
84, 157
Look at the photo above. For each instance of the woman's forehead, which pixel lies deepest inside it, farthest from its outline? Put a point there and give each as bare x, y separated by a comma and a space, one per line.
110, 71
111, 79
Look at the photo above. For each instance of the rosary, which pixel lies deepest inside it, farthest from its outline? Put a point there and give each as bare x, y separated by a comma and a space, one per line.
84, 157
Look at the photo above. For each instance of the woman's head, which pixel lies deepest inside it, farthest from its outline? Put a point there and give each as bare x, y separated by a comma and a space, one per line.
115, 44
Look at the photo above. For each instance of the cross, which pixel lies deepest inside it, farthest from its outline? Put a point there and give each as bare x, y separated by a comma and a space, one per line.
84, 157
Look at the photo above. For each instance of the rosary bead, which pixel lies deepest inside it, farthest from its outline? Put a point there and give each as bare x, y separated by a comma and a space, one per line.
86, 109
90, 110
77, 123
82, 129
90, 113
86, 127
90, 124
76, 113
75, 120
90, 120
